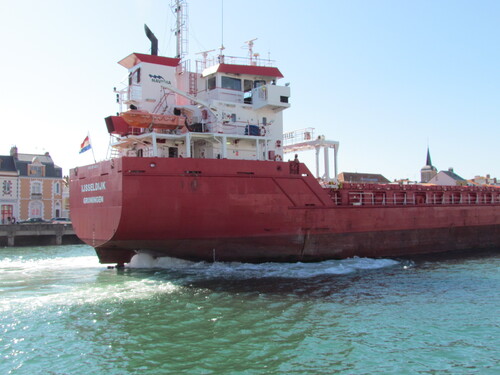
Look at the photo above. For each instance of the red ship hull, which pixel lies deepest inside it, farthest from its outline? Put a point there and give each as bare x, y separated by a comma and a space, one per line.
255, 211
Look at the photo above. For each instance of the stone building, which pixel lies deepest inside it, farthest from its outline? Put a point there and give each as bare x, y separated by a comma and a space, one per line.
31, 186
448, 178
9, 190
428, 171
485, 180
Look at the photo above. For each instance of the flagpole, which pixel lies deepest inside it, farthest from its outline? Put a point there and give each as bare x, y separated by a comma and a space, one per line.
92, 148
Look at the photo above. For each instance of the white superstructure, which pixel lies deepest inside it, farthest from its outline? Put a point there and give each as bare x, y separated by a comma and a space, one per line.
228, 108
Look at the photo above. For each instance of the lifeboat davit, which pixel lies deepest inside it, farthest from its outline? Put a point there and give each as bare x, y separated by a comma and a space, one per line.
145, 119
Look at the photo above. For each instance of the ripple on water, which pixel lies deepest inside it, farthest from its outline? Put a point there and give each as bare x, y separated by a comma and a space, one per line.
167, 316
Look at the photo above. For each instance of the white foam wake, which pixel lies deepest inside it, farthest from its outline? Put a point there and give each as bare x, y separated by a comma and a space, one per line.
46, 264
32, 284
249, 270
87, 293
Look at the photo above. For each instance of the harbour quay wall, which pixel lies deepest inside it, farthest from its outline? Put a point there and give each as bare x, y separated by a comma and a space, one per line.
37, 234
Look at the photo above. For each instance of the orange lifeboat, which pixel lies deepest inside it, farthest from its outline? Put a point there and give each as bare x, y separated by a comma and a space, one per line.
145, 119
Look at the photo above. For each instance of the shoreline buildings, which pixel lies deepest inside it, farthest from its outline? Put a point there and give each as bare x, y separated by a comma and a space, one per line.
31, 186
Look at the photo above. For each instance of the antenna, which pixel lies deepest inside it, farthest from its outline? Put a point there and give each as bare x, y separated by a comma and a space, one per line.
251, 55
222, 27
179, 7
205, 55
222, 48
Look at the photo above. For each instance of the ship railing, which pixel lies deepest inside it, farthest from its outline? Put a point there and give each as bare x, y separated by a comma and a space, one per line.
298, 136
112, 152
404, 198
122, 97
227, 95
234, 60
126, 92
241, 128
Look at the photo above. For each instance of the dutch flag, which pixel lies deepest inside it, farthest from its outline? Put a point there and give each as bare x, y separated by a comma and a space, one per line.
85, 145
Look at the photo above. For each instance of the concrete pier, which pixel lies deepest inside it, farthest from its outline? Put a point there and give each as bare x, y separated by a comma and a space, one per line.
37, 234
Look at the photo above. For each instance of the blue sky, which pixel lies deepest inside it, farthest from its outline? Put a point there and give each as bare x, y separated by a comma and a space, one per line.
385, 78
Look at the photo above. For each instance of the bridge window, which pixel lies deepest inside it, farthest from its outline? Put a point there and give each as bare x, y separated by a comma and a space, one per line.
247, 88
211, 83
231, 83
259, 83
247, 85
134, 77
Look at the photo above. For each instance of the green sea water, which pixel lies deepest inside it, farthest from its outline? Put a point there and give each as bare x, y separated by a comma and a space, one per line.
61, 312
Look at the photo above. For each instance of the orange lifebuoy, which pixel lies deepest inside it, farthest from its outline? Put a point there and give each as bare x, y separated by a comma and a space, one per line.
262, 131
277, 158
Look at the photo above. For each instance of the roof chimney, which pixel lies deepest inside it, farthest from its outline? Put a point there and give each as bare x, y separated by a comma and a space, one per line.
152, 38
13, 152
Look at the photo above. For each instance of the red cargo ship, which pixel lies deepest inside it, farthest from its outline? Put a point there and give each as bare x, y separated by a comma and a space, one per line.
197, 172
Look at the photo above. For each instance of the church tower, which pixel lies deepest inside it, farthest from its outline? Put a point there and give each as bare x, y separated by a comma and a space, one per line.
428, 171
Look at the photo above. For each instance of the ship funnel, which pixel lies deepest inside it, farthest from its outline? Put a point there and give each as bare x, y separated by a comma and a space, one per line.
152, 38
